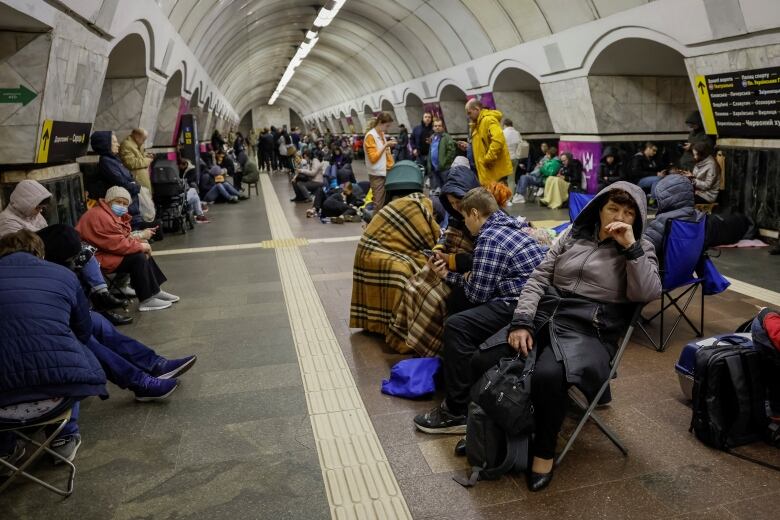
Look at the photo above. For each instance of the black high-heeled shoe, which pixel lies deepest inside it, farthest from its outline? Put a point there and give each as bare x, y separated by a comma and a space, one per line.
539, 481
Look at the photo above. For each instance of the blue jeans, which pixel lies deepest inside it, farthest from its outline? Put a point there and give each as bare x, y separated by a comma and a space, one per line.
531, 179
8, 439
194, 201
222, 189
92, 277
648, 183
124, 360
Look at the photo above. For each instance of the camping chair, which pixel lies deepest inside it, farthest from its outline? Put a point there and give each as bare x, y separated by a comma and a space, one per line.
577, 202
58, 416
588, 408
683, 249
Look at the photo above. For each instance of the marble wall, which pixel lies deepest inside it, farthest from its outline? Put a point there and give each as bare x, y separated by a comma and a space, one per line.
570, 106
526, 109
455, 117
24, 62
634, 104
121, 105
266, 116
414, 115
155, 93
166, 121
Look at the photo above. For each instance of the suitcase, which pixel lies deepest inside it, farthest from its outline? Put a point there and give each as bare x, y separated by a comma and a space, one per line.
686, 365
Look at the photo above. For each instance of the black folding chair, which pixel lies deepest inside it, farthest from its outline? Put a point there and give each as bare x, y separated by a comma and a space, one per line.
683, 250
589, 408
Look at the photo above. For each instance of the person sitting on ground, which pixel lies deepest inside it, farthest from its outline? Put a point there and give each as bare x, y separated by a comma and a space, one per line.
610, 169
441, 153
554, 313
548, 166
337, 160
213, 186
25, 210
705, 176
418, 318
135, 158
107, 227
342, 204
558, 186
345, 173
391, 249
190, 175
645, 170
128, 363
308, 180
482, 301
226, 163
113, 172
43, 357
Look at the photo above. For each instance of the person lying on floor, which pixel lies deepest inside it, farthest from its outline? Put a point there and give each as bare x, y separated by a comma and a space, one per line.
482, 301
128, 363
341, 204
573, 349
43, 358
107, 227
27, 204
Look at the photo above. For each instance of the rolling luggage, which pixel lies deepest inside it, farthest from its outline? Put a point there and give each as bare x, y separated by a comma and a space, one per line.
686, 365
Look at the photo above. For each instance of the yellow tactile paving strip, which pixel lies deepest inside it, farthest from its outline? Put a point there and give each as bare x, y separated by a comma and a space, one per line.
358, 480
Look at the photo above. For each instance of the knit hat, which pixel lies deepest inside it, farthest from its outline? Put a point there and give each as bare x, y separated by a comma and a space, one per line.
117, 192
461, 161
61, 243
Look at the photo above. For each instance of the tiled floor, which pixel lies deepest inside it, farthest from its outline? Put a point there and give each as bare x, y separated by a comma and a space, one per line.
235, 441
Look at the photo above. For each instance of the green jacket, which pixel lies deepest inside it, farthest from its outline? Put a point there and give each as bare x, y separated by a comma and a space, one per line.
447, 152
251, 172
550, 168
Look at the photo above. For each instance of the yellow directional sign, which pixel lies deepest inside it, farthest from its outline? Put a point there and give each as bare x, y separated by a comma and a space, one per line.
45, 143
700, 85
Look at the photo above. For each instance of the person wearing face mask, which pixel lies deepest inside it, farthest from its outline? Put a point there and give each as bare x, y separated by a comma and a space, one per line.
107, 227
26, 208
379, 157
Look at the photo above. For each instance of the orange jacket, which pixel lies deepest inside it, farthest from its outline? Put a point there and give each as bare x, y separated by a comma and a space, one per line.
109, 234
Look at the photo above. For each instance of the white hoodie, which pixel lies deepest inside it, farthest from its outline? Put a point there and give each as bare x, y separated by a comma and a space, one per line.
21, 213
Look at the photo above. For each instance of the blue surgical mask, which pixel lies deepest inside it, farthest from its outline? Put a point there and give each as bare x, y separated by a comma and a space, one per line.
118, 209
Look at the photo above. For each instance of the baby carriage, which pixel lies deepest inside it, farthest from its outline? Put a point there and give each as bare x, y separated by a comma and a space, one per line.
170, 197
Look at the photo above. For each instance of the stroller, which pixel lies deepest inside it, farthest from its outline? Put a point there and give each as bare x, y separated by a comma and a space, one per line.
170, 197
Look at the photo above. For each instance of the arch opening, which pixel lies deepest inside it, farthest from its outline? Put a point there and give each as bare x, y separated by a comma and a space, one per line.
518, 96
453, 102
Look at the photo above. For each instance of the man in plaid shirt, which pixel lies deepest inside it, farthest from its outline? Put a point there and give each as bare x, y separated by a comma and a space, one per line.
504, 257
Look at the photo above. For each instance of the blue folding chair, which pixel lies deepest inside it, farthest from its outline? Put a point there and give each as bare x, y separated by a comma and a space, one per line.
683, 249
577, 201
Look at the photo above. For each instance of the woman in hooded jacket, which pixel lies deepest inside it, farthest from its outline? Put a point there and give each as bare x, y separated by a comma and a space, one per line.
114, 173
576, 305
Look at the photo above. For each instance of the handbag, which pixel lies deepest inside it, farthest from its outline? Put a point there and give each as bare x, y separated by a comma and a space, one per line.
146, 204
504, 393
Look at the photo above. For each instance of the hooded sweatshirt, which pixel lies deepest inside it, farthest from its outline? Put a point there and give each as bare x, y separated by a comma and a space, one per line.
21, 213
491, 154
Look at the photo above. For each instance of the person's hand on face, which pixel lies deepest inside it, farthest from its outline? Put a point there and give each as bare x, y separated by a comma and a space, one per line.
621, 232
521, 340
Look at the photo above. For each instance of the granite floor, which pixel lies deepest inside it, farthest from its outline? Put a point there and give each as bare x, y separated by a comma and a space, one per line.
235, 440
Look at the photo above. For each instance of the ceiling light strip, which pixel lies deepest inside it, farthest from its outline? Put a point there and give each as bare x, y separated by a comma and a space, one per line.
324, 17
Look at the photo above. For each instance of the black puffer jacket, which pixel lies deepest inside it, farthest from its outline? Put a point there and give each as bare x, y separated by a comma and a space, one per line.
674, 195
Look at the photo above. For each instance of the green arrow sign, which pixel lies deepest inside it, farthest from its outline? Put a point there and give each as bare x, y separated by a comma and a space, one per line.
21, 95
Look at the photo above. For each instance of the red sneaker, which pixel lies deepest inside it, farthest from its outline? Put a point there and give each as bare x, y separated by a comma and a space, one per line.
202, 219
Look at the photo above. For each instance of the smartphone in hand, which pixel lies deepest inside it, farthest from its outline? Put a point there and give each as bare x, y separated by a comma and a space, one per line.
428, 253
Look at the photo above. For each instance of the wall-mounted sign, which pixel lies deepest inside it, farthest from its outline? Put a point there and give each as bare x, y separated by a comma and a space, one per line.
741, 104
21, 95
62, 141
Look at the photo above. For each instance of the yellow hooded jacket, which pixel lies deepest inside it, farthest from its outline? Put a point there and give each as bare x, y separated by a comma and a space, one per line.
491, 154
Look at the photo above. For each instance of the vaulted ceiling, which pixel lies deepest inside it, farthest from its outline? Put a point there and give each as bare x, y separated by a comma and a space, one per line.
245, 45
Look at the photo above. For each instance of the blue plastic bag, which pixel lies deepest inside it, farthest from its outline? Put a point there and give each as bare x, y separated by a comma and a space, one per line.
412, 378
713, 282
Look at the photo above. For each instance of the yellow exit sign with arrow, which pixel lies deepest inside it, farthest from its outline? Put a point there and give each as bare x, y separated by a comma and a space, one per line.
62, 141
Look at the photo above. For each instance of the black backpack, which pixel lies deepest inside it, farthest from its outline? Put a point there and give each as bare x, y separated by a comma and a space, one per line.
728, 396
491, 451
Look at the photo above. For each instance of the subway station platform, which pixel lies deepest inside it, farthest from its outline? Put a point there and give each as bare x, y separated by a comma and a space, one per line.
282, 417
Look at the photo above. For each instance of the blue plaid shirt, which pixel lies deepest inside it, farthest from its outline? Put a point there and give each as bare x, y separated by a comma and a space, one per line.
504, 258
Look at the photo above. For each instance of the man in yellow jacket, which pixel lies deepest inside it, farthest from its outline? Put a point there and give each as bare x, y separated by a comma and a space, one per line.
488, 145
132, 153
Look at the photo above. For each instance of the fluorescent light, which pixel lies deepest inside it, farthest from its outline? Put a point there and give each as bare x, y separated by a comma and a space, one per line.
324, 17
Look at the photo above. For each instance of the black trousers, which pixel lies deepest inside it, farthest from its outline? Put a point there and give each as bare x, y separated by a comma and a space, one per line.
549, 390
304, 189
237, 177
145, 276
464, 332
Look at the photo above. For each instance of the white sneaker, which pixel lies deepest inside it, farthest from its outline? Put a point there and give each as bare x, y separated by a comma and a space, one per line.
518, 199
153, 304
127, 291
167, 297
540, 192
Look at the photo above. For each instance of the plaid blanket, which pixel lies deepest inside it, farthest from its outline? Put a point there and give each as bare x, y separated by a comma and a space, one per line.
388, 255
418, 319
